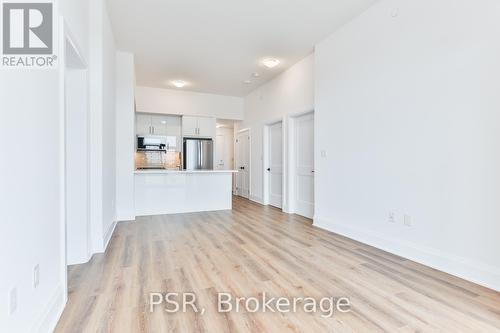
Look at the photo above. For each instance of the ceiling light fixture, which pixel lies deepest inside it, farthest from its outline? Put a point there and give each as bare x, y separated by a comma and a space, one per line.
179, 83
255, 74
270, 62
247, 81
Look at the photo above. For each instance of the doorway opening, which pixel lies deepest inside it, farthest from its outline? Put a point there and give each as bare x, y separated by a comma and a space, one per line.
75, 159
242, 151
224, 147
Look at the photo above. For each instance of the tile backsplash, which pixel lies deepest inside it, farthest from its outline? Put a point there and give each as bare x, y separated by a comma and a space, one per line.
158, 159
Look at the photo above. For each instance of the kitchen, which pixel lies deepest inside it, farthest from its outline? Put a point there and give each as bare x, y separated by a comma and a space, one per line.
174, 166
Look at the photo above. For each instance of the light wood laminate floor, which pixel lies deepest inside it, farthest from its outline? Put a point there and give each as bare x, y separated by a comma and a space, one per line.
254, 249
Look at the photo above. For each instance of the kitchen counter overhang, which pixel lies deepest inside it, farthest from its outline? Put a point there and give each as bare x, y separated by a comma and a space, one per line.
159, 191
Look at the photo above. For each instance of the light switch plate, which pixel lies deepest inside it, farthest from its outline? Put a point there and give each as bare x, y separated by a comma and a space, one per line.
12, 301
36, 276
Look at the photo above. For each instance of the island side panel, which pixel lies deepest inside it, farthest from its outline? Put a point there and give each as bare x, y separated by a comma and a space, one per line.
173, 193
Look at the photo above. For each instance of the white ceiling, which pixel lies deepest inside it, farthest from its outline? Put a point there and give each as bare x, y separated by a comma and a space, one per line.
217, 44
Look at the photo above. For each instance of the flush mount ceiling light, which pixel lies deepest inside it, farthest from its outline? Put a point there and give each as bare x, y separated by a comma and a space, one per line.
270, 62
179, 83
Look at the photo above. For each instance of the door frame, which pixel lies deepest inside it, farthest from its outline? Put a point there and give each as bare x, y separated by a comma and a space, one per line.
237, 157
66, 38
291, 158
266, 161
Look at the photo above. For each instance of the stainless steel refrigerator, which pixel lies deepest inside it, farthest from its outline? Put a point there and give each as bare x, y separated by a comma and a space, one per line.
198, 154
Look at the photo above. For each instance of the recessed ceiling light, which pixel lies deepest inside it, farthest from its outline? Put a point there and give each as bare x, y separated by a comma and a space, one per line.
179, 83
255, 74
247, 81
270, 62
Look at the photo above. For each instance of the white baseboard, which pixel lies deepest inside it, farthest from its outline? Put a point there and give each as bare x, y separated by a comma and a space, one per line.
467, 269
108, 235
52, 313
125, 218
256, 199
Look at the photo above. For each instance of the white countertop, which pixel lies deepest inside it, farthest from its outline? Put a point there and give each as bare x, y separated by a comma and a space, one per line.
162, 171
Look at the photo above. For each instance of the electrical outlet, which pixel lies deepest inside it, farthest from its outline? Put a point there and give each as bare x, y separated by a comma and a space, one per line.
392, 217
407, 220
12, 301
36, 276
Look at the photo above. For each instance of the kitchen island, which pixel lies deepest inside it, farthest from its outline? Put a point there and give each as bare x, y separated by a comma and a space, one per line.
159, 192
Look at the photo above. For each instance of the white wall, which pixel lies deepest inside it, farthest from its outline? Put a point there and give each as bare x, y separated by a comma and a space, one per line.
156, 100
30, 196
102, 126
75, 14
108, 129
290, 93
96, 123
77, 163
407, 109
30, 192
125, 127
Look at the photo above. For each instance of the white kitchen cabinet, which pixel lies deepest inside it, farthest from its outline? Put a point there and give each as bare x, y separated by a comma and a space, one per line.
147, 124
206, 127
189, 126
143, 124
159, 125
198, 126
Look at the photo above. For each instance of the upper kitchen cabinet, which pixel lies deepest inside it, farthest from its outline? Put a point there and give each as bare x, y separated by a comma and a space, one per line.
159, 125
206, 127
198, 126
189, 126
146, 124
142, 124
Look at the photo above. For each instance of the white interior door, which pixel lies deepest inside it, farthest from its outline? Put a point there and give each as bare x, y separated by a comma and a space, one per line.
275, 168
304, 173
242, 164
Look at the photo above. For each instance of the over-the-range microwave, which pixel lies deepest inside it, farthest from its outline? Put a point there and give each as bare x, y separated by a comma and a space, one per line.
149, 143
